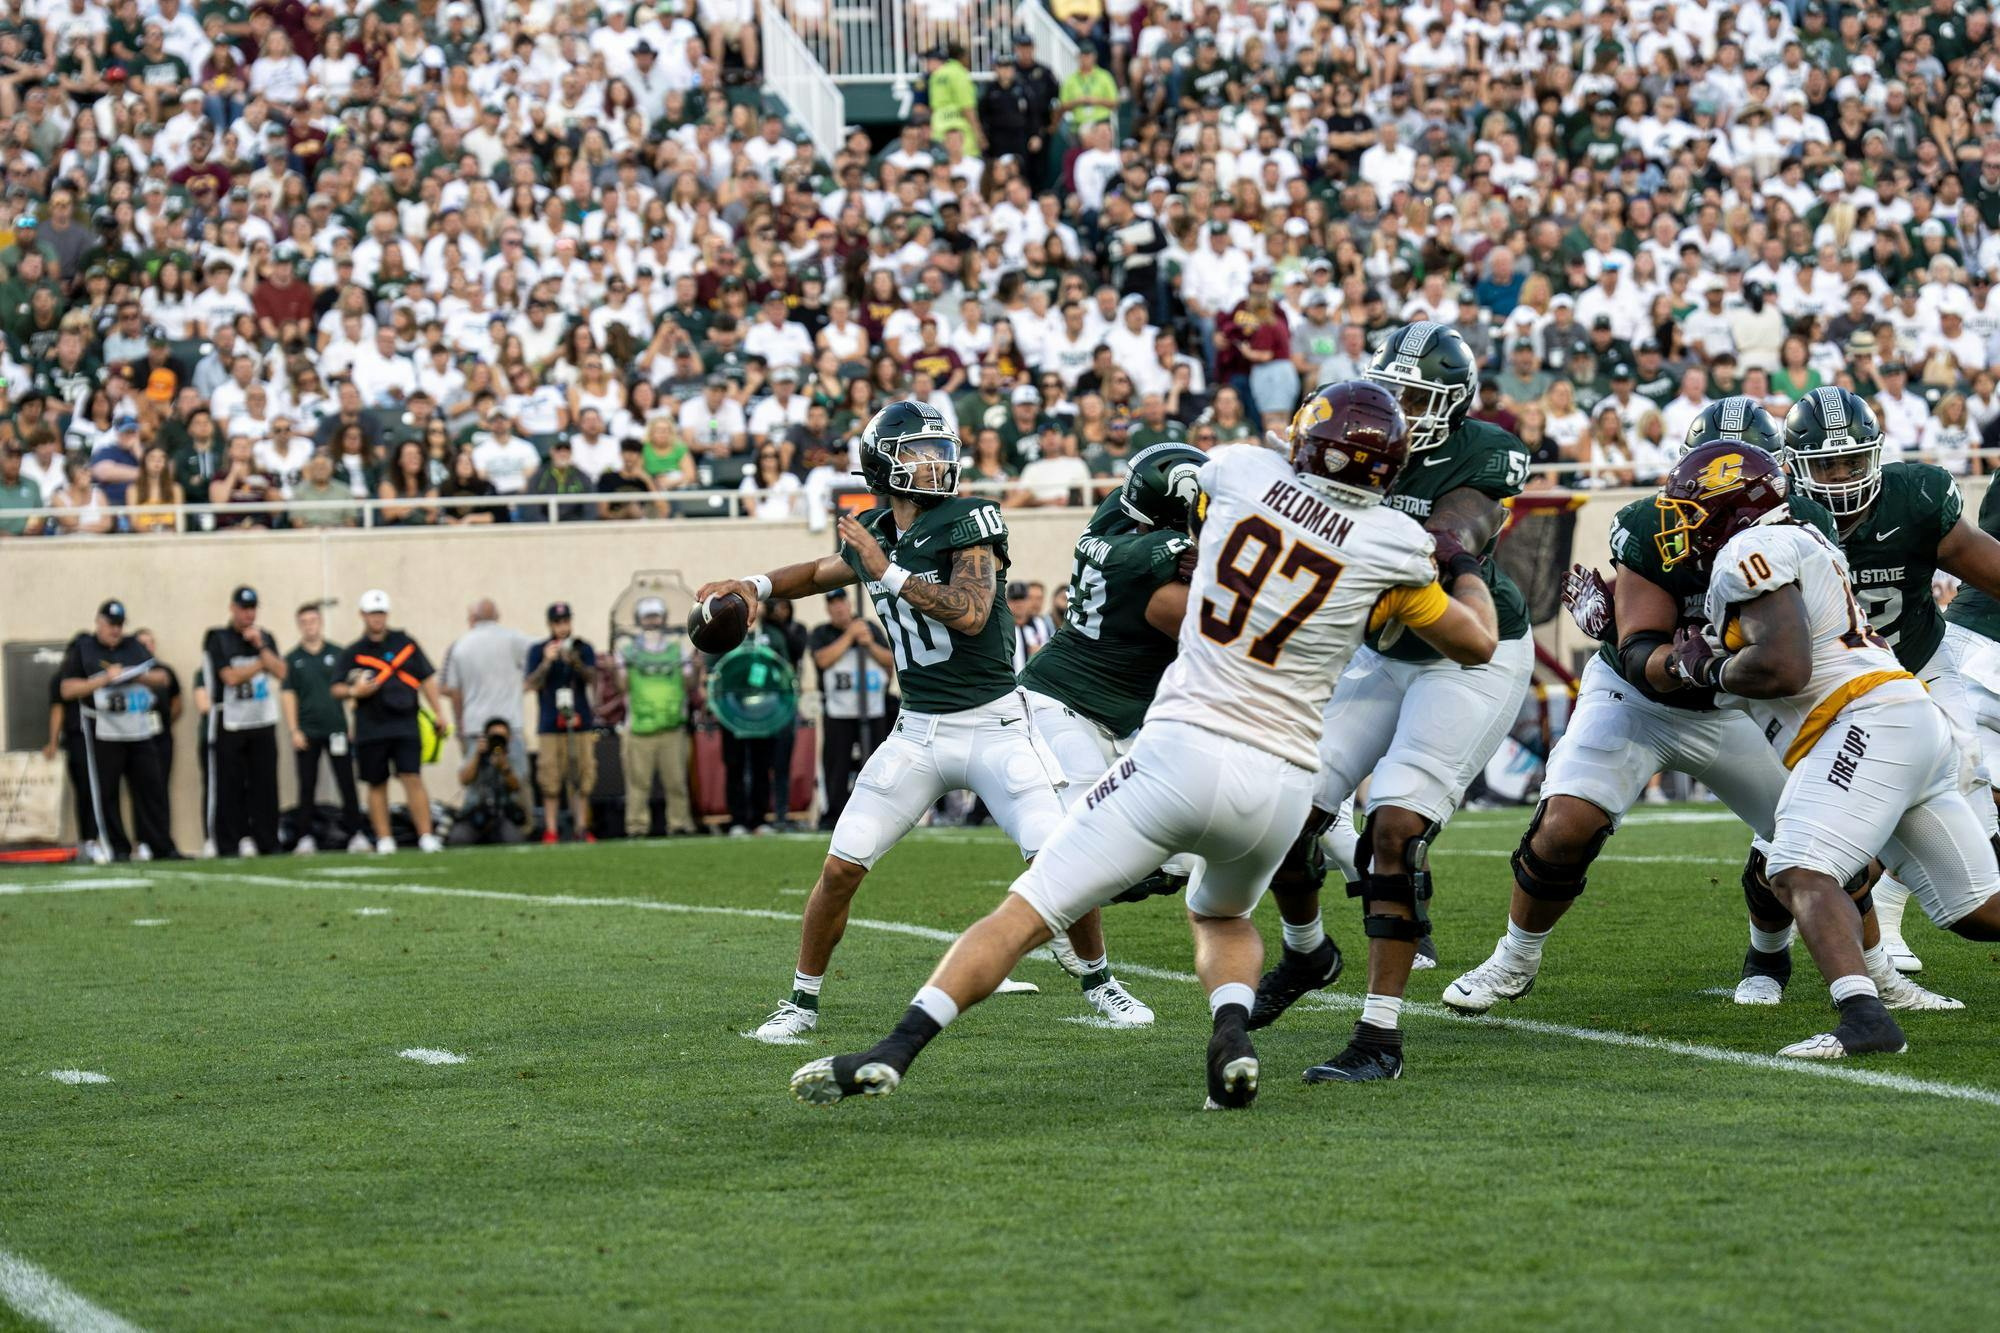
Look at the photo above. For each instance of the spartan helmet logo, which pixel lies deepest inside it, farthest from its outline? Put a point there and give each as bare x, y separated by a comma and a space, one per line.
1184, 484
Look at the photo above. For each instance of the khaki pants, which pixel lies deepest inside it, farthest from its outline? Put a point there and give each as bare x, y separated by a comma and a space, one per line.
663, 754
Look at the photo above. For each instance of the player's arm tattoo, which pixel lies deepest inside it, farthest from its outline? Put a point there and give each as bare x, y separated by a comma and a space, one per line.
964, 603
1470, 515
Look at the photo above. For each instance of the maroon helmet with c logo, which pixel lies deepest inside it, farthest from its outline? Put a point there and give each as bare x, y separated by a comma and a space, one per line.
1352, 439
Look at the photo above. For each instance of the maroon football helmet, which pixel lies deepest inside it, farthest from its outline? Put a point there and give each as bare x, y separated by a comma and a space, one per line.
1716, 491
1351, 437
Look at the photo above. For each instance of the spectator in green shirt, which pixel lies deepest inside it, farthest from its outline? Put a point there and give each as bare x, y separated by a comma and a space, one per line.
1088, 96
954, 101
17, 493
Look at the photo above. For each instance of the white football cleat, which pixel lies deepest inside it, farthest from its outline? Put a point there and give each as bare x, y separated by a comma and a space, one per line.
96, 852
1759, 989
209, 851
385, 846
361, 843
1065, 955
1119, 1006
787, 1025
1498, 978
142, 853
430, 842
305, 846
817, 1084
1899, 992
246, 847
1899, 955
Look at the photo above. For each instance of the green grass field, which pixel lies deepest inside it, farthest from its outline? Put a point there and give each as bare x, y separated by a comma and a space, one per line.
1617, 1150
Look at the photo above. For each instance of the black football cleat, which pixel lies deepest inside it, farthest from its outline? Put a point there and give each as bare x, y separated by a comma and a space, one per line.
1154, 885
1374, 1053
1232, 1066
1865, 1028
1296, 976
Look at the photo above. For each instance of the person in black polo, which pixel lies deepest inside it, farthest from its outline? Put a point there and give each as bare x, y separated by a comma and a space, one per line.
385, 673
244, 674
106, 685
318, 725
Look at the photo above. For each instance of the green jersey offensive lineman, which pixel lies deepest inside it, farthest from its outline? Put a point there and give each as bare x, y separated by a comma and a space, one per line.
1088, 689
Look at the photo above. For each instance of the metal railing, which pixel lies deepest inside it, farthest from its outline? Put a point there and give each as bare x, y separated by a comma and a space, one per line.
1053, 44
882, 41
796, 77
694, 504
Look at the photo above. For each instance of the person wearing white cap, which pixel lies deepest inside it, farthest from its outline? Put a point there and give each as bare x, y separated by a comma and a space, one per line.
386, 675
658, 677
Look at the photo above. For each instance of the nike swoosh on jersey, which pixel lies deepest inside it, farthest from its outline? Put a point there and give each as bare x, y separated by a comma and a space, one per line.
1885, 536
1009, 721
918, 541
1436, 462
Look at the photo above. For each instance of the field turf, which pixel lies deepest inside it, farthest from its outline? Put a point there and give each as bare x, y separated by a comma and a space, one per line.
1617, 1151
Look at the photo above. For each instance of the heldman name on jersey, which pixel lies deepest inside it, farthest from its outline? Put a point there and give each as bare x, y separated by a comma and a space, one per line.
1310, 512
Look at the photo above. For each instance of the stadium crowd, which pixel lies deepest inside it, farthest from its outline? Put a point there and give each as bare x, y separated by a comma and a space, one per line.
500, 253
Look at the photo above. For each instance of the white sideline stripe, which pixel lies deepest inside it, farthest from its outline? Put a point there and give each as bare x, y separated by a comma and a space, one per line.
150, 921
1838, 1071
1783, 1064
76, 1077
354, 872
73, 885
37, 1295
371, 911
1613, 857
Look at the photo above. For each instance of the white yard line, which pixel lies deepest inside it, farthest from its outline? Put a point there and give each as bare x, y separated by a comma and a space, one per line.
428, 1055
78, 1077
37, 1295
1838, 1071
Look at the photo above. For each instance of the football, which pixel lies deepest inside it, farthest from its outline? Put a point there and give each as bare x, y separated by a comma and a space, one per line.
718, 624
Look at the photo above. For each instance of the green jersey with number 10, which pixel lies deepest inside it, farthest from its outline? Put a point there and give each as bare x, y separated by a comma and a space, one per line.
1107, 659
941, 670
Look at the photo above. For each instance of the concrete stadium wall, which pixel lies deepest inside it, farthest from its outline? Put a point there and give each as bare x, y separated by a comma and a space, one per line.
178, 585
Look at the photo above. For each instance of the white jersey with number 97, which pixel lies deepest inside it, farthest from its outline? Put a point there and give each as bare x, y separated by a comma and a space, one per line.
1287, 584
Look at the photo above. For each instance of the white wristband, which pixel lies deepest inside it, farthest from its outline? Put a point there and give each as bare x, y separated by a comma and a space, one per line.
893, 578
761, 585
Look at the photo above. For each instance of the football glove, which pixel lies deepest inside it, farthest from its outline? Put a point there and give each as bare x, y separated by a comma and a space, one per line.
1588, 598
1453, 559
1695, 659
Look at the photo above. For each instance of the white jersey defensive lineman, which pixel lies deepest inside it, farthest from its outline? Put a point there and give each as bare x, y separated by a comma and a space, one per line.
1289, 580
1872, 760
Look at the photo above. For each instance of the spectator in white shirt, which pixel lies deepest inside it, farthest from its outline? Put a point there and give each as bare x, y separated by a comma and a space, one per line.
779, 410
1685, 406
712, 422
779, 340
1903, 413
505, 459
383, 376
1965, 349
592, 451
1389, 164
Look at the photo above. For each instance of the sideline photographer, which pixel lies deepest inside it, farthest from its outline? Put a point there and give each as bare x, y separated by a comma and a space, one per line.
562, 670
494, 808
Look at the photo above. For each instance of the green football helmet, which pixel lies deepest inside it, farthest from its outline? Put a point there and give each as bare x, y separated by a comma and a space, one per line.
1737, 418
1434, 377
1160, 489
1833, 449
910, 450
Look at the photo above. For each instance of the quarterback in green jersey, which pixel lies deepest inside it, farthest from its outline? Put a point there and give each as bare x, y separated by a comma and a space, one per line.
1899, 524
1415, 725
1089, 686
933, 563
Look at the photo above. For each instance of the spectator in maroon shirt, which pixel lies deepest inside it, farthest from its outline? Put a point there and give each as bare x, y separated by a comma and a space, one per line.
284, 305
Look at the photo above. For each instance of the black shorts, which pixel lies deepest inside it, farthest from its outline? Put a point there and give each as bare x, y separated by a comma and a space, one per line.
373, 758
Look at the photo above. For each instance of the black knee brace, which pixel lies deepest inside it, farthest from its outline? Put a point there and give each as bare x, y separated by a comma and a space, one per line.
1304, 867
1553, 881
1411, 889
1757, 895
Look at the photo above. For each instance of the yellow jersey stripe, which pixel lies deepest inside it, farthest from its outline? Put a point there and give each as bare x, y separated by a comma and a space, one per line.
1415, 607
1828, 708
